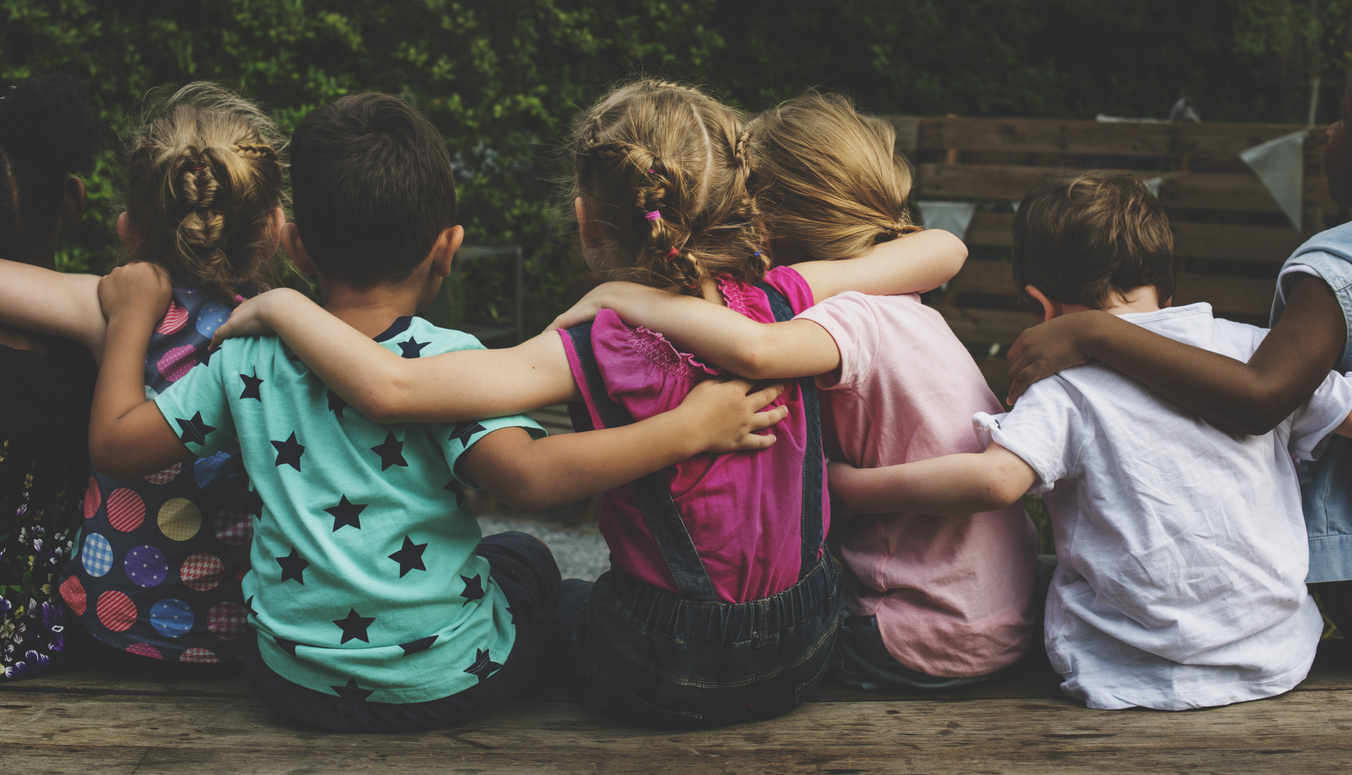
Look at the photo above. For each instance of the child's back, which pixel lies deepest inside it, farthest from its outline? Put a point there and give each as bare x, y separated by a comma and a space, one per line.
1181, 549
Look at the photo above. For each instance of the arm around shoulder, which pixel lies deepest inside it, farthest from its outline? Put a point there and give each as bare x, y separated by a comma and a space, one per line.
950, 485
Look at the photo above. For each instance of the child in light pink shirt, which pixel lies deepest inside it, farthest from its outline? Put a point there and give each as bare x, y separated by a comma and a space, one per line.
933, 601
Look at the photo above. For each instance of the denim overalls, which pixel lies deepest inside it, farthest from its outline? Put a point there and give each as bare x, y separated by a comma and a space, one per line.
646, 656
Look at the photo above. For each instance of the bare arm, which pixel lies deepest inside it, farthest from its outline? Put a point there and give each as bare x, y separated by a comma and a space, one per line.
909, 264
1252, 397
46, 302
127, 434
717, 416
950, 485
451, 387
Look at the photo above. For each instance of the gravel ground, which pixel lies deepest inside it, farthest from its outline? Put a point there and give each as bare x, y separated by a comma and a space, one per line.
580, 551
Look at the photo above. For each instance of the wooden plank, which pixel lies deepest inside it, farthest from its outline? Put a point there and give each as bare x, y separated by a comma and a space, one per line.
984, 326
1198, 190
1032, 135
1258, 244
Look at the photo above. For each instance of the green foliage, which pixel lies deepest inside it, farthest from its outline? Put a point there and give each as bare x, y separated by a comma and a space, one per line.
503, 79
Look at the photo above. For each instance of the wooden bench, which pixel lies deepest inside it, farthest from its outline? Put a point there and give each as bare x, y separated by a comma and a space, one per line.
82, 722
1230, 235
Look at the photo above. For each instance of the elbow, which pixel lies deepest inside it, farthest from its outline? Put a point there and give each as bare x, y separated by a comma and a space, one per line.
527, 496
109, 460
752, 359
1000, 488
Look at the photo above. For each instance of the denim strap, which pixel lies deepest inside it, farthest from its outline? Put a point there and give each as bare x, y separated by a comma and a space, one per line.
812, 456
654, 498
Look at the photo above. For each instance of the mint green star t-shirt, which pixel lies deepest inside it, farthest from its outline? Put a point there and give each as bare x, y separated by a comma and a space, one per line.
364, 583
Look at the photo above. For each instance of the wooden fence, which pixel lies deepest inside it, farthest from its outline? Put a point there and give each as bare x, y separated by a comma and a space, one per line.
1230, 235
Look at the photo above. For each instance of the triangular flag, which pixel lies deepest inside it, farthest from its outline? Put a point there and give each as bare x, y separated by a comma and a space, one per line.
1280, 164
1154, 185
953, 217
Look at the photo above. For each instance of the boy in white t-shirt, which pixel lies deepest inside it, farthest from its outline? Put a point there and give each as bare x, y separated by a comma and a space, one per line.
1181, 548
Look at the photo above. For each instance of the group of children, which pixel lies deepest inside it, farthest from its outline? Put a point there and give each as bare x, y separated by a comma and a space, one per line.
294, 498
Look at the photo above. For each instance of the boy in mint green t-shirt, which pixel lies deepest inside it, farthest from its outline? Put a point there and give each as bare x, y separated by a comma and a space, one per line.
376, 606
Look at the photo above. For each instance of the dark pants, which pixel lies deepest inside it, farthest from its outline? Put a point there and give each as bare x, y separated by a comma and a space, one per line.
862, 660
645, 656
525, 570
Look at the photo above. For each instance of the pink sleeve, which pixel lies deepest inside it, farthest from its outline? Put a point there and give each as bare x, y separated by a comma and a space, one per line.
787, 280
850, 320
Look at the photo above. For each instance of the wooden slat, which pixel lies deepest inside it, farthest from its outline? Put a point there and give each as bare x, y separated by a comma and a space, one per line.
1031, 135
986, 326
1258, 244
1200, 190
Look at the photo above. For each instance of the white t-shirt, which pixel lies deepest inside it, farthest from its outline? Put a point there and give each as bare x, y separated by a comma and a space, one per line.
1181, 548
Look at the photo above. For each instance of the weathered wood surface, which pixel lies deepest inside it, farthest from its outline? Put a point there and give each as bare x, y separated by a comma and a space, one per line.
85, 722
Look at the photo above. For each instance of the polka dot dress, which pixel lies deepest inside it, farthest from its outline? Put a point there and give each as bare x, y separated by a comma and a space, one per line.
159, 563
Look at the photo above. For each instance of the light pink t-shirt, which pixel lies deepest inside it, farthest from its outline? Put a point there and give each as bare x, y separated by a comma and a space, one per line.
743, 510
953, 595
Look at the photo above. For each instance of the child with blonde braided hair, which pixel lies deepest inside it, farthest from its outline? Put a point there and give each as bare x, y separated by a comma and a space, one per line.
155, 577
721, 603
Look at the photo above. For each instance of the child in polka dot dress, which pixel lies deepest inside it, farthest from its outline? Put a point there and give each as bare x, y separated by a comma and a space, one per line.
155, 578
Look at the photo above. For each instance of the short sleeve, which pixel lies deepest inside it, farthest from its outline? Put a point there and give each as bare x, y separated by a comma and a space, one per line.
457, 439
1317, 418
1044, 429
197, 406
851, 322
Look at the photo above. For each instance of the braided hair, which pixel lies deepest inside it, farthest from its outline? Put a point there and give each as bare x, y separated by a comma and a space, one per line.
661, 170
47, 133
203, 178
829, 180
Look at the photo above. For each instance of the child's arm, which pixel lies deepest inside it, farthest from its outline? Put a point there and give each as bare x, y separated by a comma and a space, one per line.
717, 416
1252, 397
716, 334
127, 434
451, 387
46, 302
950, 485
911, 263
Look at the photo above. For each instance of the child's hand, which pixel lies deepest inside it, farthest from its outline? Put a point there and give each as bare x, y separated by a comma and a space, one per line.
727, 414
604, 296
837, 481
1050, 348
140, 289
250, 318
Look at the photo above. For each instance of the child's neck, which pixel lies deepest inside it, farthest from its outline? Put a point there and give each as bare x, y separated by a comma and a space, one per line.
1143, 299
370, 309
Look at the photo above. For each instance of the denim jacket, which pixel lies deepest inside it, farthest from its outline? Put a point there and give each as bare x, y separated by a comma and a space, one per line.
1326, 484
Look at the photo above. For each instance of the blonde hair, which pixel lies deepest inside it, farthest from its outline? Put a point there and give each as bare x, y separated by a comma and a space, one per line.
828, 179
203, 178
661, 170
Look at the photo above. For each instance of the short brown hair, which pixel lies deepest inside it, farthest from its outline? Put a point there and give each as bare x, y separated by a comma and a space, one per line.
1080, 238
661, 170
371, 187
828, 179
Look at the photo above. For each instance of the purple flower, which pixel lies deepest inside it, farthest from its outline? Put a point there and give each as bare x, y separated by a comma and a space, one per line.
5, 606
17, 670
37, 660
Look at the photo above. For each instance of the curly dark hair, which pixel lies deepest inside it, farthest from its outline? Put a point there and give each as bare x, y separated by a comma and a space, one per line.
47, 133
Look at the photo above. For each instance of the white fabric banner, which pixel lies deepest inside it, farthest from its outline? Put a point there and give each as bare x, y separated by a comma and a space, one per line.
1154, 185
952, 217
1280, 164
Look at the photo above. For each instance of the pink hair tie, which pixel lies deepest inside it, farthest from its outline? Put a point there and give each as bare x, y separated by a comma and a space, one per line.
673, 253
654, 215
652, 171
239, 299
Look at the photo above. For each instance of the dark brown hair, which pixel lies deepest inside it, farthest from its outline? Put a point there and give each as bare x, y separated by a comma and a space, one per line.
1080, 238
371, 186
203, 179
661, 170
828, 179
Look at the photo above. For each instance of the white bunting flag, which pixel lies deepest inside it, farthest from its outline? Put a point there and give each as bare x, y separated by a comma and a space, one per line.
1280, 164
1154, 185
952, 217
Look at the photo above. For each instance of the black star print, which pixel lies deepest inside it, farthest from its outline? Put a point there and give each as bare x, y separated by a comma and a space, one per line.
352, 692
412, 348
206, 357
409, 557
293, 566
251, 387
346, 513
463, 432
454, 487
289, 452
336, 404
194, 430
256, 504
289, 646
421, 644
483, 665
511, 611
474, 589
354, 626
391, 452
249, 609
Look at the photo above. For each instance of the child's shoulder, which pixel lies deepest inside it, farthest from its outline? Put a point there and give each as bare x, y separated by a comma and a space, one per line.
415, 337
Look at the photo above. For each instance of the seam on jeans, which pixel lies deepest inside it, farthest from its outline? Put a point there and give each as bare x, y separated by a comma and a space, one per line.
683, 681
